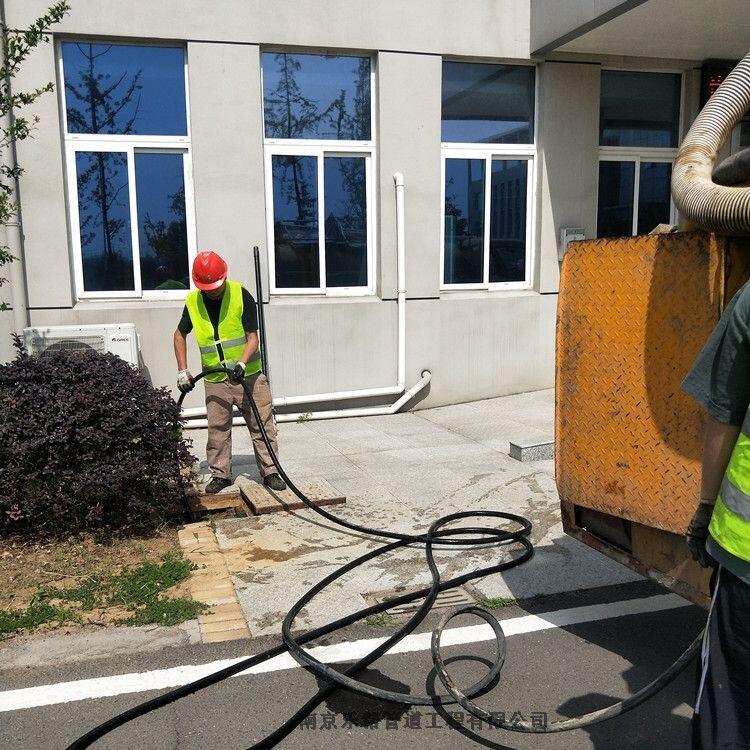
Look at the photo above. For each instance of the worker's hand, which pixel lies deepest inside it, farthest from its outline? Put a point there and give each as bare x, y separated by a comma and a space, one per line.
697, 533
238, 372
185, 382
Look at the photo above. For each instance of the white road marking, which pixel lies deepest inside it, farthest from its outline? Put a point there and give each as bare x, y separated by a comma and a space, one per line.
159, 679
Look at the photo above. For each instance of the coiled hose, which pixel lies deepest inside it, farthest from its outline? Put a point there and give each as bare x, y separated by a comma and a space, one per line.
437, 536
717, 208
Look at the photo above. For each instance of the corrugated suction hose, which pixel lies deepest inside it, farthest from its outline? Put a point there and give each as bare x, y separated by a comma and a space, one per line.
716, 208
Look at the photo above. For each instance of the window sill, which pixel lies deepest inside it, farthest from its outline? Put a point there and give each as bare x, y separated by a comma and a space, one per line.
486, 293
107, 303
318, 299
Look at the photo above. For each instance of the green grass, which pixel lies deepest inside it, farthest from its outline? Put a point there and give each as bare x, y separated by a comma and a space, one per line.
166, 612
143, 584
13, 621
139, 590
383, 620
498, 602
89, 594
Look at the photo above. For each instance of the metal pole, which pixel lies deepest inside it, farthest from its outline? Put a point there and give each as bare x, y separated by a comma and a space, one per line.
261, 314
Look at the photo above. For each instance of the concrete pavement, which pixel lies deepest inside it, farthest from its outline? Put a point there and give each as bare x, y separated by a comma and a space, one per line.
401, 472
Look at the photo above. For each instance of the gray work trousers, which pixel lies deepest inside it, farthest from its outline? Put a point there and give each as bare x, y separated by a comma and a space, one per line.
220, 397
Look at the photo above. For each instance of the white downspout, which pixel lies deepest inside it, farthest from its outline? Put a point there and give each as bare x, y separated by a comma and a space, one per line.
368, 411
200, 411
398, 178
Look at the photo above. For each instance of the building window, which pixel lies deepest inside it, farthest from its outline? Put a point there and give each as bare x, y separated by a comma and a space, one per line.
129, 174
639, 121
319, 149
741, 135
488, 161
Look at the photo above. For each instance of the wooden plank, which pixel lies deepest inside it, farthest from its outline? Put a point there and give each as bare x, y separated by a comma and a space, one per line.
201, 502
262, 500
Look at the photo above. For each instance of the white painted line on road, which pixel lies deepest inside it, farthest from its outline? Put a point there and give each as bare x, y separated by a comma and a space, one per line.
160, 679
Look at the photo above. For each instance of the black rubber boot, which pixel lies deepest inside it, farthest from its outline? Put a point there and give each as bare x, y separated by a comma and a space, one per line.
275, 482
217, 485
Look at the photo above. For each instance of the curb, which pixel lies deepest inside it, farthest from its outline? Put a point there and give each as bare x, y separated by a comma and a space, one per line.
212, 583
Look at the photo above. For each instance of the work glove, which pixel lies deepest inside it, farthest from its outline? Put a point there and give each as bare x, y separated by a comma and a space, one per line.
697, 533
238, 372
185, 382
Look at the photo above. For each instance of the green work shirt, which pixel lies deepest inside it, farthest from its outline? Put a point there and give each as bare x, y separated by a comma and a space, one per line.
720, 381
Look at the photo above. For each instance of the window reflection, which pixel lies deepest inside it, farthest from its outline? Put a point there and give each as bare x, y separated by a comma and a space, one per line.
162, 235
508, 220
104, 219
639, 109
745, 134
345, 204
615, 212
654, 197
124, 89
325, 97
464, 221
484, 103
295, 221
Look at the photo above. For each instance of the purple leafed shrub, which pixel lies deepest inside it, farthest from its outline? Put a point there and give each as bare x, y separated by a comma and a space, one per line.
86, 441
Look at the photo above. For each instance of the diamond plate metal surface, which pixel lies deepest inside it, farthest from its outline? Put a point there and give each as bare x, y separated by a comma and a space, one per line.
633, 313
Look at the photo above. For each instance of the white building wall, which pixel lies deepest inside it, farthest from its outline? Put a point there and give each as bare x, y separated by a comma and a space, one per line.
408, 136
477, 344
568, 156
484, 28
552, 21
6, 331
49, 275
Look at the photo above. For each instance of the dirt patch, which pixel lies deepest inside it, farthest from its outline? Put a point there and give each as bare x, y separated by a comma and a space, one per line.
26, 566
88, 581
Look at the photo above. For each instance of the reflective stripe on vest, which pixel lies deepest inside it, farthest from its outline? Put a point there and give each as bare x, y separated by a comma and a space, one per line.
730, 522
231, 335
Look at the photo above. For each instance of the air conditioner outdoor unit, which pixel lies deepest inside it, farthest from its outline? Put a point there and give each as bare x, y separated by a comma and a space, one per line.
117, 338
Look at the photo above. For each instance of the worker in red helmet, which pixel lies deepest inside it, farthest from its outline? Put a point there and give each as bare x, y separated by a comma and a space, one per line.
224, 318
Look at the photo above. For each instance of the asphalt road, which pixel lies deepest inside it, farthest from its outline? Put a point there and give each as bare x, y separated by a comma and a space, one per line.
560, 671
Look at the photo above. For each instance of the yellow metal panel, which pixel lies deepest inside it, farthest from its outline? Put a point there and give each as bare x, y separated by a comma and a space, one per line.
633, 313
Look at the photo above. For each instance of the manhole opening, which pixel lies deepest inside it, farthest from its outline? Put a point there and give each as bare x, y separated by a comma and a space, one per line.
445, 599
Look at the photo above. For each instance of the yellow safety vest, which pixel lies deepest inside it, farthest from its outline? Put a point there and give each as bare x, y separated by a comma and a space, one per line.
730, 522
231, 334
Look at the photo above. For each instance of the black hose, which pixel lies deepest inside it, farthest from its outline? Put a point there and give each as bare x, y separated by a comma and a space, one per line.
437, 535
261, 312
564, 725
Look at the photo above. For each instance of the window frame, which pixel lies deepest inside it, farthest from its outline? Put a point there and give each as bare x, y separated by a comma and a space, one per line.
639, 154
129, 144
621, 154
734, 143
320, 151
489, 152
320, 148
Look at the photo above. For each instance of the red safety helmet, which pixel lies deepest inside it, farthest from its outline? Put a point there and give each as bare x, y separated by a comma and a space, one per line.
209, 270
